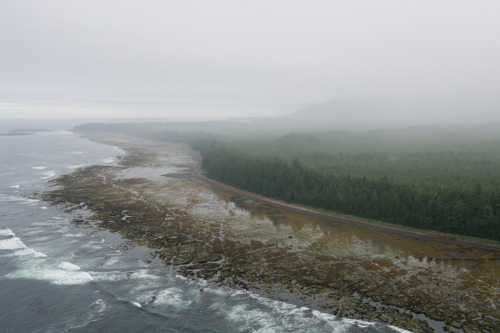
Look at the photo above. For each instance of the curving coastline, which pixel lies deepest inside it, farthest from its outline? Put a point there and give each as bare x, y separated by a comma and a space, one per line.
281, 251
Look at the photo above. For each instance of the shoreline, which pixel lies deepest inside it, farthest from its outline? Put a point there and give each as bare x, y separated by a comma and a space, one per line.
385, 228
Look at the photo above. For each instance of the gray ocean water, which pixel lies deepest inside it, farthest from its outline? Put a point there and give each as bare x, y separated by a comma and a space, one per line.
56, 276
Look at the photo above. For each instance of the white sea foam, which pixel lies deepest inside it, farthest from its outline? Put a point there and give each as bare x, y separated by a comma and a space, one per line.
182, 277
292, 318
29, 252
39, 167
70, 279
171, 297
69, 266
15, 186
13, 243
143, 275
6, 232
146, 285
48, 174
44, 207
397, 329
136, 304
108, 276
62, 274
272, 315
24, 253
98, 302
108, 160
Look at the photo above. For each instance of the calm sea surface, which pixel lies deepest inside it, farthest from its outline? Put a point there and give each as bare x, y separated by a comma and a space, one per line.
59, 277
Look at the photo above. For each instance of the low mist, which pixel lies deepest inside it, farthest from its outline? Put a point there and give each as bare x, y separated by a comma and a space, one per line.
425, 62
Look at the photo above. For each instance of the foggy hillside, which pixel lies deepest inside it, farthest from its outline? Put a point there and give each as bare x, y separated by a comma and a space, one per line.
344, 113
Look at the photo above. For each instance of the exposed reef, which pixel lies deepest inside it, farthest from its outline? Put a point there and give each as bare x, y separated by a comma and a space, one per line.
153, 198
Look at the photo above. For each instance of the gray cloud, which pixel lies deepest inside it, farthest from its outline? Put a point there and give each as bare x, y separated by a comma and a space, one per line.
433, 60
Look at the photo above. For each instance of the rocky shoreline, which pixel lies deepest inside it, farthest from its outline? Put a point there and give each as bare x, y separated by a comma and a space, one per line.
385, 227
347, 270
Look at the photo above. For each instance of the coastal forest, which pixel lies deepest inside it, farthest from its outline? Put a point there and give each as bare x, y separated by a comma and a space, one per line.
437, 179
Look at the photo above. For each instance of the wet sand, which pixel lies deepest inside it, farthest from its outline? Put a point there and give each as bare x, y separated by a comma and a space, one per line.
354, 271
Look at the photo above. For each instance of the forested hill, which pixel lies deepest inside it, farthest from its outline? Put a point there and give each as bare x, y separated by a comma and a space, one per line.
439, 179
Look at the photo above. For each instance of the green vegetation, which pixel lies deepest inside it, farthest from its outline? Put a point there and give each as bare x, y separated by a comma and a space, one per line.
446, 180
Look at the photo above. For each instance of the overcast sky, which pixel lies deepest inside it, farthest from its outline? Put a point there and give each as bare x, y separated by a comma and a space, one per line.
109, 58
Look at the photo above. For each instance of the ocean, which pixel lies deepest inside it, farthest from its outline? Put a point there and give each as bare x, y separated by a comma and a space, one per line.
57, 276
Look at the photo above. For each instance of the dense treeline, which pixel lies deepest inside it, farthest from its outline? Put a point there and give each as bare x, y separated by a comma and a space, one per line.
465, 210
430, 160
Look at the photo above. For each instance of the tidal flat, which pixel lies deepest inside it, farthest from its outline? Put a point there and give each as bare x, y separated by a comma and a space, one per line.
155, 198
